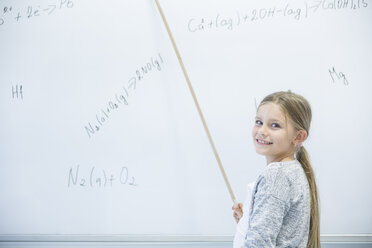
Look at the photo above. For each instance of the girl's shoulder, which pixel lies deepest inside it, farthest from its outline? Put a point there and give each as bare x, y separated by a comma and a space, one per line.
289, 170
280, 178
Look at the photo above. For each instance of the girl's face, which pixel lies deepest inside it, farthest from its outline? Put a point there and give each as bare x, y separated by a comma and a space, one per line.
273, 135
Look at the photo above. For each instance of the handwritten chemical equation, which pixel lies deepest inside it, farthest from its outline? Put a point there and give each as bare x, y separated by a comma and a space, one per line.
100, 178
10, 13
121, 98
339, 76
296, 12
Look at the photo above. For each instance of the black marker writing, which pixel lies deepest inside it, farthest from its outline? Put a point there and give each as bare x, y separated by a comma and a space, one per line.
9, 13
295, 11
122, 98
100, 178
338, 76
17, 92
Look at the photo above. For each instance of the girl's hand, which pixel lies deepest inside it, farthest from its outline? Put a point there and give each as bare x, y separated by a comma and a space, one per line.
238, 211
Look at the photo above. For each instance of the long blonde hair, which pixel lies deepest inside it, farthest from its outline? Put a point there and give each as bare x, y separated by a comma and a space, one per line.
298, 110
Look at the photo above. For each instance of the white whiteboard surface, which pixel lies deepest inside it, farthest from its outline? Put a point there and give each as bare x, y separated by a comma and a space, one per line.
99, 133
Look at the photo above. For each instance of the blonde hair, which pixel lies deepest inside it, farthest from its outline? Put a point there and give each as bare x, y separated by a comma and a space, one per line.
298, 110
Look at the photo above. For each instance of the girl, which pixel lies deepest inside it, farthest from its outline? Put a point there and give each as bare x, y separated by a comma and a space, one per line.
283, 209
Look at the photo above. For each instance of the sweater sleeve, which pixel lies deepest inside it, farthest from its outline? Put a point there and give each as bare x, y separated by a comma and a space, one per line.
268, 209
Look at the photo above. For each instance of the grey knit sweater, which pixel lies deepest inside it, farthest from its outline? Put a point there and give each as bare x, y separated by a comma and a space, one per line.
279, 214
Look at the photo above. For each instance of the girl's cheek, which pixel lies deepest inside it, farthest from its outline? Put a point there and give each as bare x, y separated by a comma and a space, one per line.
254, 131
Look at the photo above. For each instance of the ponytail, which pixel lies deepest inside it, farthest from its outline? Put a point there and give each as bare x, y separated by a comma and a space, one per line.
314, 232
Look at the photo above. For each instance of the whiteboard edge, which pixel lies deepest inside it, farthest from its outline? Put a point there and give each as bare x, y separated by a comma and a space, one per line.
162, 238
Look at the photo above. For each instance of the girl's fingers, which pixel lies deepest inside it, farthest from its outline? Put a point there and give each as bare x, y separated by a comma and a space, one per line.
238, 211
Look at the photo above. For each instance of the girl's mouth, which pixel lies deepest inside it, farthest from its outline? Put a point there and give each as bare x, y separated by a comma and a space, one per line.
263, 142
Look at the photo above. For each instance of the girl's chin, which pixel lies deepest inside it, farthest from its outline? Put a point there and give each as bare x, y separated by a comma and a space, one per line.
260, 151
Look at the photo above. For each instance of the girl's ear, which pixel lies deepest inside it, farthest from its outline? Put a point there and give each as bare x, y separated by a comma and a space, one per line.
300, 137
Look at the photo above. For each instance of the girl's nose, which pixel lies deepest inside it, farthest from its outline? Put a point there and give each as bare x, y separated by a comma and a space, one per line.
262, 131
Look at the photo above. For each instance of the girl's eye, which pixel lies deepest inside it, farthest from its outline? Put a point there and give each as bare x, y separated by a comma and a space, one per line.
258, 122
275, 125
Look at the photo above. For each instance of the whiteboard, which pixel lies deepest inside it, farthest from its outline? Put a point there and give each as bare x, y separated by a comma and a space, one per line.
99, 133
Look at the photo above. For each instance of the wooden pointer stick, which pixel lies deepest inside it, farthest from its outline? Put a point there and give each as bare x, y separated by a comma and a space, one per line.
196, 103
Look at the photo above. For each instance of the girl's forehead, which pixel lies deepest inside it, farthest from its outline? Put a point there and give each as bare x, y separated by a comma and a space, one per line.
272, 111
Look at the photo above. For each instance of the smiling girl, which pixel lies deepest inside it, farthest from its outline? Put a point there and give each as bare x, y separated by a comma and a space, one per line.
283, 209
